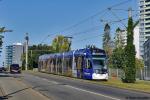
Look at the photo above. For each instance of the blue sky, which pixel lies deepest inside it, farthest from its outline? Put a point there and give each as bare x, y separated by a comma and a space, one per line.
41, 18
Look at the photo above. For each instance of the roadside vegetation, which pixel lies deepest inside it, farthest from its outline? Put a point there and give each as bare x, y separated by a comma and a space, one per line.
121, 55
1, 37
139, 85
59, 44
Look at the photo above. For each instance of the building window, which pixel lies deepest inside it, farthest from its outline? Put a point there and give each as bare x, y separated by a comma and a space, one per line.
148, 5
147, 23
147, 28
147, 14
141, 11
147, 19
146, 10
147, 0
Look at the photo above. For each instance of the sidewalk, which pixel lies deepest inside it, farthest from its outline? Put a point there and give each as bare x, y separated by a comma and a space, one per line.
2, 94
13, 89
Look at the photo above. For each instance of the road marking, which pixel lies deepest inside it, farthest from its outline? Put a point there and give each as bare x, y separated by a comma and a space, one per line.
54, 82
92, 92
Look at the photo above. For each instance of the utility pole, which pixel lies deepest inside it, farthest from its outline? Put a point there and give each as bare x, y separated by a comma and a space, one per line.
27, 41
130, 12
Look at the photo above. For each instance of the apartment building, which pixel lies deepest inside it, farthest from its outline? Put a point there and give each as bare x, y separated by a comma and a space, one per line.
13, 54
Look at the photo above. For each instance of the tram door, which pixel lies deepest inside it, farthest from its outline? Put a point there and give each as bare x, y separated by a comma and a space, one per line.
79, 66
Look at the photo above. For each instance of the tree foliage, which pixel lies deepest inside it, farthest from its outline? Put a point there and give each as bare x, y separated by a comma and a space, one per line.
118, 52
139, 63
130, 68
61, 44
118, 58
1, 41
1, 36
107, 43
33, 55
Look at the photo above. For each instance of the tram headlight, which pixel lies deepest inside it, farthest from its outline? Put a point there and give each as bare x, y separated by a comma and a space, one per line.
100, 71
97, 71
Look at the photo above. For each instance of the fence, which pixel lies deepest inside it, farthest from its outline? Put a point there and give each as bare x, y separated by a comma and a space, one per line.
119, 73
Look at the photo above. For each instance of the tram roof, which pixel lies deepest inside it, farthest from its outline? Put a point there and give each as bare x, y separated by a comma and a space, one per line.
81, 52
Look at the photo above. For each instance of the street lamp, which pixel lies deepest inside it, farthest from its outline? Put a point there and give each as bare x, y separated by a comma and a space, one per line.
27, 40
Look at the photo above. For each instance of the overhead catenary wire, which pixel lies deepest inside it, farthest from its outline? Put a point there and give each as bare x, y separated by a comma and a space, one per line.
46, 38
90, 17
109, 9
98, 27
116, 21
125, 10
91, 37
98, 13
85, 31
95, 28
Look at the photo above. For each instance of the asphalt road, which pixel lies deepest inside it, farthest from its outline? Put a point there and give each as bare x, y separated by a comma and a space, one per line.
11, 88
63, 88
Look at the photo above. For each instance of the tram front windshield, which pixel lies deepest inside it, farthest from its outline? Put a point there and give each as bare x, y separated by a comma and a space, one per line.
99, 66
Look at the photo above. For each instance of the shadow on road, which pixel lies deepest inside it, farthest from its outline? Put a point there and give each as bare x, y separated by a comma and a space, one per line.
5, 75
10, 94
3, 98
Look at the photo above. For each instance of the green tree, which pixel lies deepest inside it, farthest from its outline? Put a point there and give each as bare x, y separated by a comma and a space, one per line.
33, 55
118, 52
61, 44
130, 68
139, 63
118, 58
1, 36
107, 43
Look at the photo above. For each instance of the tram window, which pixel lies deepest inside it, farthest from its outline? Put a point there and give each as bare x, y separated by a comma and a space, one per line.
65, 67
70, 63
98, 62
79, 63
46, 63
88, 64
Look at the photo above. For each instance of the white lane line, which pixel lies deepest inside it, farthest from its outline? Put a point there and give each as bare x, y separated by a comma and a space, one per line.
54, 82
92, 92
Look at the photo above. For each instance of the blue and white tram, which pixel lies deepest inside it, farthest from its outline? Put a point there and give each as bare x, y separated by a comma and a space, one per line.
82, 63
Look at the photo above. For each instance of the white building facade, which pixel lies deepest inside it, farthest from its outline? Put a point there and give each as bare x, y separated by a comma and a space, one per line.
144, 31
144, 23
13, 54
122, 34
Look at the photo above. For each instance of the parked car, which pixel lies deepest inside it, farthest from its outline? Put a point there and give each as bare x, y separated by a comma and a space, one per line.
15, 69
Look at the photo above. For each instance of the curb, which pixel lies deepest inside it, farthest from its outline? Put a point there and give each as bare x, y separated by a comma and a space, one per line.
2, 94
